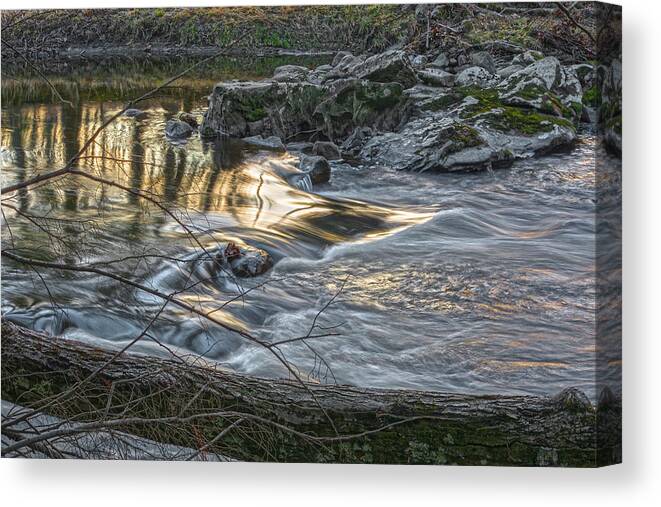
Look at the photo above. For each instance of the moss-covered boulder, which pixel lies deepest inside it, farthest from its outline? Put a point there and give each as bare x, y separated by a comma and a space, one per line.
546, 86
468, 128
353, 103
434, 143
292, 109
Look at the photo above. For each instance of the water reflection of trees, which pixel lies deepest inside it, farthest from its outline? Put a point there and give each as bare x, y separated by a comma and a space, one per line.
215, 182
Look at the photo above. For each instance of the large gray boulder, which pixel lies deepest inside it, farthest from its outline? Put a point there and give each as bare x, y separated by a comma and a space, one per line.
242, 109
467, 129
546, 86
432, 143
388, 67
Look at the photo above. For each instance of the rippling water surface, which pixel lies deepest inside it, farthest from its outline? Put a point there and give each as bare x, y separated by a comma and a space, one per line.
480, 282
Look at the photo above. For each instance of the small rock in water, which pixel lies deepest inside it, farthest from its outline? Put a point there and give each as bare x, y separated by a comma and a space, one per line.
326, 149
272, 142
177, 129
244, 261
316, 167
134, 113
188, 118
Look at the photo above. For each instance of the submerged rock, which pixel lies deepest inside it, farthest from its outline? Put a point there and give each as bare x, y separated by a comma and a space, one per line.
177, 129
244, 261
316, 167
272, 142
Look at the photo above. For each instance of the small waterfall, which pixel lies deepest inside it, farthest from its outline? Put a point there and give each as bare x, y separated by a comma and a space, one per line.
304, 183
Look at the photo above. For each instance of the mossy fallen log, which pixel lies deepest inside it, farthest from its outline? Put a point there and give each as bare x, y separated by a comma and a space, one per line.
189, 404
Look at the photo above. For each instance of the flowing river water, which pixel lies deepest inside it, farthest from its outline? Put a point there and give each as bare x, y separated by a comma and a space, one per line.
472, 282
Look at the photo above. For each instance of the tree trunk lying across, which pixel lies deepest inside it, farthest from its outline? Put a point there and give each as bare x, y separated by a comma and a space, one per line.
258, 419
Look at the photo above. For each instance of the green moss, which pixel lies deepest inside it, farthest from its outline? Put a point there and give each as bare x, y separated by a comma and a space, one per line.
524, 121
510, 118
531, 92
462, 137
592, 96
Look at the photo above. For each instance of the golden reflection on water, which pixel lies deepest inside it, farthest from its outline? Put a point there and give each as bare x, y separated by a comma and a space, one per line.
218, 179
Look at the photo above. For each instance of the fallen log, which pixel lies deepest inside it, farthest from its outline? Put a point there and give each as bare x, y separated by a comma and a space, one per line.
194, 405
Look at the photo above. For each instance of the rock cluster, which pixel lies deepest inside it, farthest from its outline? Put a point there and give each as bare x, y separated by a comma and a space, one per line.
417, 113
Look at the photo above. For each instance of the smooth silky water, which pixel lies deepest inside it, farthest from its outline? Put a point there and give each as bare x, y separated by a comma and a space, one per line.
473, 282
